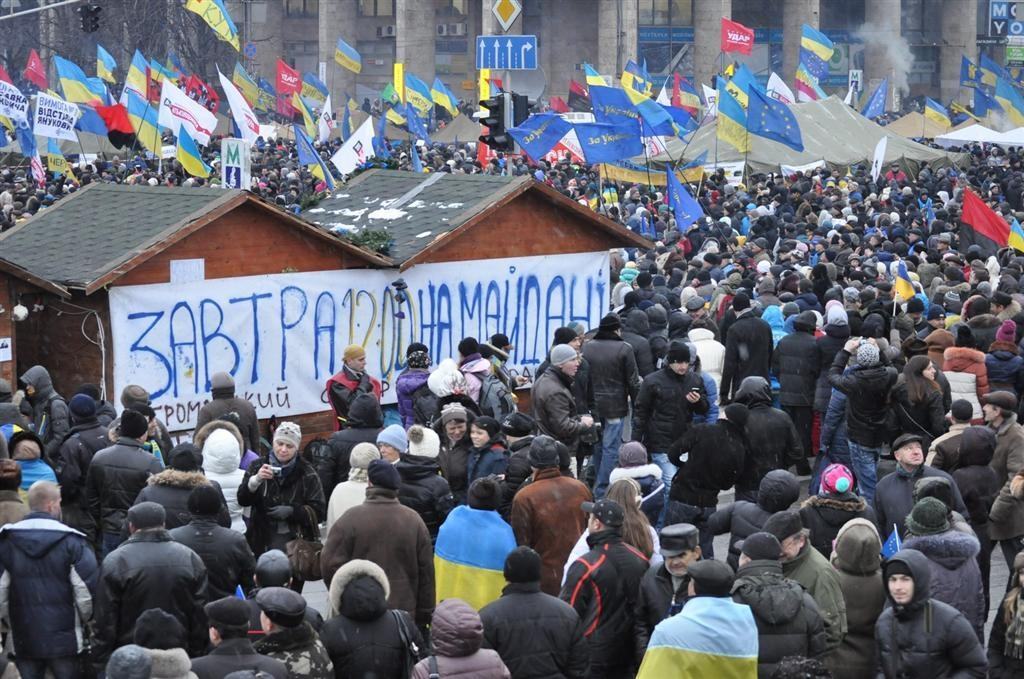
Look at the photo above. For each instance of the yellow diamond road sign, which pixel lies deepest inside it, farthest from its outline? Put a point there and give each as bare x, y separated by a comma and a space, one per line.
506, 11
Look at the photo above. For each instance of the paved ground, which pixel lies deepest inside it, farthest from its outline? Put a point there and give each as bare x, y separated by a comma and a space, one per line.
316, 593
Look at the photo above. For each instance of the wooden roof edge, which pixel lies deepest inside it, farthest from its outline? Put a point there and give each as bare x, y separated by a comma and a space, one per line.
21, 273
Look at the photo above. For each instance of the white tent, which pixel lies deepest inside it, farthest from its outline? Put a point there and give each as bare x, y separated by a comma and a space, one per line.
1014, 137
971, 135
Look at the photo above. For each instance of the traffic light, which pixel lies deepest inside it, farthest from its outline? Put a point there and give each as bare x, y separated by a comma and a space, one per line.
520, 109
90, 17
497, 121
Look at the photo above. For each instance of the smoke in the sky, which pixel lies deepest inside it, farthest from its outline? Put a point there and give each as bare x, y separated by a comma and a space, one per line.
896, 49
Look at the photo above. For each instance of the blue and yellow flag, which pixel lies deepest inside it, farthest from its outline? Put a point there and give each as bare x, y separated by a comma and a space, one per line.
347, 57
307, 116
815, 41
246, 85
654, 117
1016, 236
983, 103
444, 98
74, 83
613, 107
414, 157
55, 160
310, 158
1010, 100
771, 119
137, 79
158, 72
189, 156
969, 74
414, 124
742, 80
903, 286
346, 120
732, 122
593, 77
936, 112
417, 93
314, 91
991, 71
267, 100
145, 121
603, 143
635, 78
105, 64
216, 17
469, 557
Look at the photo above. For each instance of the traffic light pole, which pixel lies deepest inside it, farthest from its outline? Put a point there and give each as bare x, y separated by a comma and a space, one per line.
36, 10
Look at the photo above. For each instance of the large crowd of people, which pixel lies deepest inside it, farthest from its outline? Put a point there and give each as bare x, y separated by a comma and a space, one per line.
571, 533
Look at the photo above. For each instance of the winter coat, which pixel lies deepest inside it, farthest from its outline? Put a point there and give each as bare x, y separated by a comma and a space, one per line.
546, 516
361, 635
365, 421
944, 451
602, 586
457, 636
715, 455
710, 351
170, 489
538, 636
773, 438
1006, 520
481, 462
867, 397
424, 490
778, 491
12, 509
894, 497
968, 377
221, 466
475, 369
344, 497
655, 597
810, 569
925, 638
71, 466
344, 387
983, 328
516, 473
555, 408
652, 490
582, 386
795, 362
49, 574
171, 663
834, 437
225, 553
614, 373
1002, 666
301, 651
824, 515
408, 382
51, 419
233, 655
224, 402
395, 538
454, 459
662, 414
115, 477
858, 563
955, 576
925, 418
634, 333
748, 352
1005, 368
298, 489
150, 570
829, 345
788, 621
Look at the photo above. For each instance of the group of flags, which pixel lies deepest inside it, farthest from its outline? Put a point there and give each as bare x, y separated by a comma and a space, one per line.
815, 52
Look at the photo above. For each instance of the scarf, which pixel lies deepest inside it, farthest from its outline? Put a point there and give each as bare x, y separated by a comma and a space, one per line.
1015, 635
286, 469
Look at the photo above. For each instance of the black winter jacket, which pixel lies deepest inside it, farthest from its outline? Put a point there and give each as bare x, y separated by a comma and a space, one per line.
42, 559
299, 489
516, 473
654, 601
233, 655
748, 352
51, 418
225, 553
538, 636
115, 477
170, 489
925, 418
796, 364
773, 438
614, 374
828, 345
788, 620
424, 490
779, 489
867, 391
72, 464
824, 515
716, 453
662, 414
1002, 666
365, 420
634, 331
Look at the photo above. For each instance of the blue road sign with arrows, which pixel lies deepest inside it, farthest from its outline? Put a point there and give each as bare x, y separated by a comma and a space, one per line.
507, 52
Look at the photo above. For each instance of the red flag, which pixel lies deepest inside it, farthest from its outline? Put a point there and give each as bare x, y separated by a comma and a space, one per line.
119, 127
736, 37
5, 77
558, 105
979, 225
579, 98
35, 72
288, 79
677, 95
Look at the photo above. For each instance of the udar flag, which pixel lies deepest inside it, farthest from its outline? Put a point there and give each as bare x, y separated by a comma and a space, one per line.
980, 226
469, 557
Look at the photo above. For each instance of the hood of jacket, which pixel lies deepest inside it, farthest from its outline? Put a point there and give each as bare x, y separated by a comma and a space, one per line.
977, 446
36, 534
679, 325
950, 549
701, 335
38, 377
1004, 351
415, 467
636, 321
754, 391
835, 510
456, 629
638, 472
478, 366
841, 332
779, 489
174, 478
412, 379
365, 412
984, 322
170, 663
917, 564
657, 319
359, 591
857, 548
957, 359
219, 461
772, 597
772, 315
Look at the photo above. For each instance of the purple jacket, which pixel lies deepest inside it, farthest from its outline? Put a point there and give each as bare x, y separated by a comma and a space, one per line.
408, 382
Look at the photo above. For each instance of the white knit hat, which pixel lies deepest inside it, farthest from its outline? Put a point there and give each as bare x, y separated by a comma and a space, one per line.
423, 441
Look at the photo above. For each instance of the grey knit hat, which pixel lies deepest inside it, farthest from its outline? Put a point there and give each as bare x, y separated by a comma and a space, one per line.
289, 432
867, 355
129, 662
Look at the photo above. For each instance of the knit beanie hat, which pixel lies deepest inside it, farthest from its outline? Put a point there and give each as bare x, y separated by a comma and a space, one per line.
489, 425
484, 493
289, 432
454, 411
384, 475
362, 455
417, 356
353, 351
185, 457
678, 352
522, 565
741, 301
836, 479
204, 500
157, 629
394, 436
737, 413
928, 517
1007, 332
564, 335
129, 662
134, 424
562, 353
867, 355
632, 454
423, 441
82, 407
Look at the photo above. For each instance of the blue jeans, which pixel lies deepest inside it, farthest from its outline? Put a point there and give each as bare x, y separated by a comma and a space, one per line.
35, 668
109, 542
680, 512
611, 441
865, 468
668, 472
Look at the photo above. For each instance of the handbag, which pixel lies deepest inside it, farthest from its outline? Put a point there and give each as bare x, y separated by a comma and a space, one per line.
303, 553
412, 651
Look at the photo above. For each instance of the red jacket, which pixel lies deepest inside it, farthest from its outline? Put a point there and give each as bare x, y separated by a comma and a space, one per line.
342, 388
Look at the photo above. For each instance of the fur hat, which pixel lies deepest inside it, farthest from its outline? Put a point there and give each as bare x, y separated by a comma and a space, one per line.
157, 629
632, 454
423, 441
484, 493
133, 424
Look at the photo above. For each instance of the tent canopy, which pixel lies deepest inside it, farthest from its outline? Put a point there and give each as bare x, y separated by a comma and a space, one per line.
832, 131
970, 135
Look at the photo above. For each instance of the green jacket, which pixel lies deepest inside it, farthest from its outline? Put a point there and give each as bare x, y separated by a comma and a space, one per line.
821, 581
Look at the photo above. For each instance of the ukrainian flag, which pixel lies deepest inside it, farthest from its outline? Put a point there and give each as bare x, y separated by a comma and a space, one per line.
347, 56
634, 78
189, 157
144, 121
105, 64
74, 83
137, 80
742, 80
593, 77
313, 90
444, 98
815, 41
217, 18
158, 72
307, 116
417, 93
1010, 100
991, 72
1016, 236
935, 111
246, 85
903, 286
732, 122
310, 158
469, 557
55, 160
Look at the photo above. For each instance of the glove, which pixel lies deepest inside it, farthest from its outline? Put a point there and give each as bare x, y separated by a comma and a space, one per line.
280, 513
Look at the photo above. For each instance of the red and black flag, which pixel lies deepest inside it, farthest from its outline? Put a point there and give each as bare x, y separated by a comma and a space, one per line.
579, 98
558, 105
119, 127
980, 226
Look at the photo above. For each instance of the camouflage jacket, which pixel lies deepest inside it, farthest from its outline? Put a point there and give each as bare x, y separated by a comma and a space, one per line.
300, 649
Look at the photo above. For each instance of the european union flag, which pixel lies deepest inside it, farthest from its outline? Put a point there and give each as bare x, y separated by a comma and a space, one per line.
612, 106
892, 543
539, 133
814, 64
380, 146
607, 143
876, 104
773, 120
686, 209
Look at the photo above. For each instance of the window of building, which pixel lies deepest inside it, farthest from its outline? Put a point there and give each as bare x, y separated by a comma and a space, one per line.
302, 8
377, 8
665, 12
450, 8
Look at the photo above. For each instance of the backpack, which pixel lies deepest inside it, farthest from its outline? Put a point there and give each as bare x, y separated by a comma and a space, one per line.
424, 405
496, 399
316, 450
